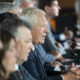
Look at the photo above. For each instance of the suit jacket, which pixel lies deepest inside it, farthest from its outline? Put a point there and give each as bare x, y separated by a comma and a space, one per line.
45, 57
24, 73
35, 66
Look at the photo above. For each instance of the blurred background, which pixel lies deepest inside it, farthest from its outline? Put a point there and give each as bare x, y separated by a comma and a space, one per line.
69, 16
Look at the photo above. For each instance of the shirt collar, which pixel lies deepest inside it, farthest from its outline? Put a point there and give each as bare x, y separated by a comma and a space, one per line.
33, 48
16, 67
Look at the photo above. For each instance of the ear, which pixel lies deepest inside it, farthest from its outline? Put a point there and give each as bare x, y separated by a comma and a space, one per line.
46, 8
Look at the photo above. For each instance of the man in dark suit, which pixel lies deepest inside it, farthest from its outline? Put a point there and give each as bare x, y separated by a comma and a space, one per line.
19, 29
21, 74
36, 65
46, 58
37, 59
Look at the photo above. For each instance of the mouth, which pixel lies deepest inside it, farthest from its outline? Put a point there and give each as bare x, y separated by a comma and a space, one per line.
28, 52
43, 37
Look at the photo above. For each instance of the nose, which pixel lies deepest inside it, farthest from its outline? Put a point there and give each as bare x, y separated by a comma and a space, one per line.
46, 29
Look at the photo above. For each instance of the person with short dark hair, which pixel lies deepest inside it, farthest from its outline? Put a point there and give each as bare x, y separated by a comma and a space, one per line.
51, 8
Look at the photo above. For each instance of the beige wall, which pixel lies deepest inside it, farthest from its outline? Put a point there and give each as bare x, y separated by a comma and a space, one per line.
67, 3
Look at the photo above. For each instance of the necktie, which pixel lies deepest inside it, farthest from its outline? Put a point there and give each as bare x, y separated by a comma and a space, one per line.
20, 75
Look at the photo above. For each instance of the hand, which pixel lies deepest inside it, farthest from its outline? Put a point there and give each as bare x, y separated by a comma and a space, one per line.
75, 69
73, 74
58, 56
70, 76
55, 63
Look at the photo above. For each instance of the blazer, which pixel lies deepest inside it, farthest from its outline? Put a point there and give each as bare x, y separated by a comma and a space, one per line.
45, 57
36, 67
24, 73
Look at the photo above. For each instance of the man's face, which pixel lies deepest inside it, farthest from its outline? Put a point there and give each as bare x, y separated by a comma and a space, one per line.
24, 43
39, 30
53, 10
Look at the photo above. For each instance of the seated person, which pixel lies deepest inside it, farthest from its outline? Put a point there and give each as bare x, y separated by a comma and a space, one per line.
35, 63
52, 8
20, 29
50, 42
7, 54
38, 57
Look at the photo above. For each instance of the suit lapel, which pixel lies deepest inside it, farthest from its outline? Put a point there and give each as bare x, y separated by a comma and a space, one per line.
39, 64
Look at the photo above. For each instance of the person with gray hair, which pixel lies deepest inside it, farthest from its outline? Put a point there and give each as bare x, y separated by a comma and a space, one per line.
21, 31
38, 57
9, 7
30, 15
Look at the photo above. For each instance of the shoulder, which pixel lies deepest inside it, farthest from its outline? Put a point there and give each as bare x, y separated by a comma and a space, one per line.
13, 76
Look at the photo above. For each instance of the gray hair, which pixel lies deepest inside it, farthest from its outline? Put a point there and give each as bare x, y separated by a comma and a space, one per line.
6, 7
11, 23
31, 15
